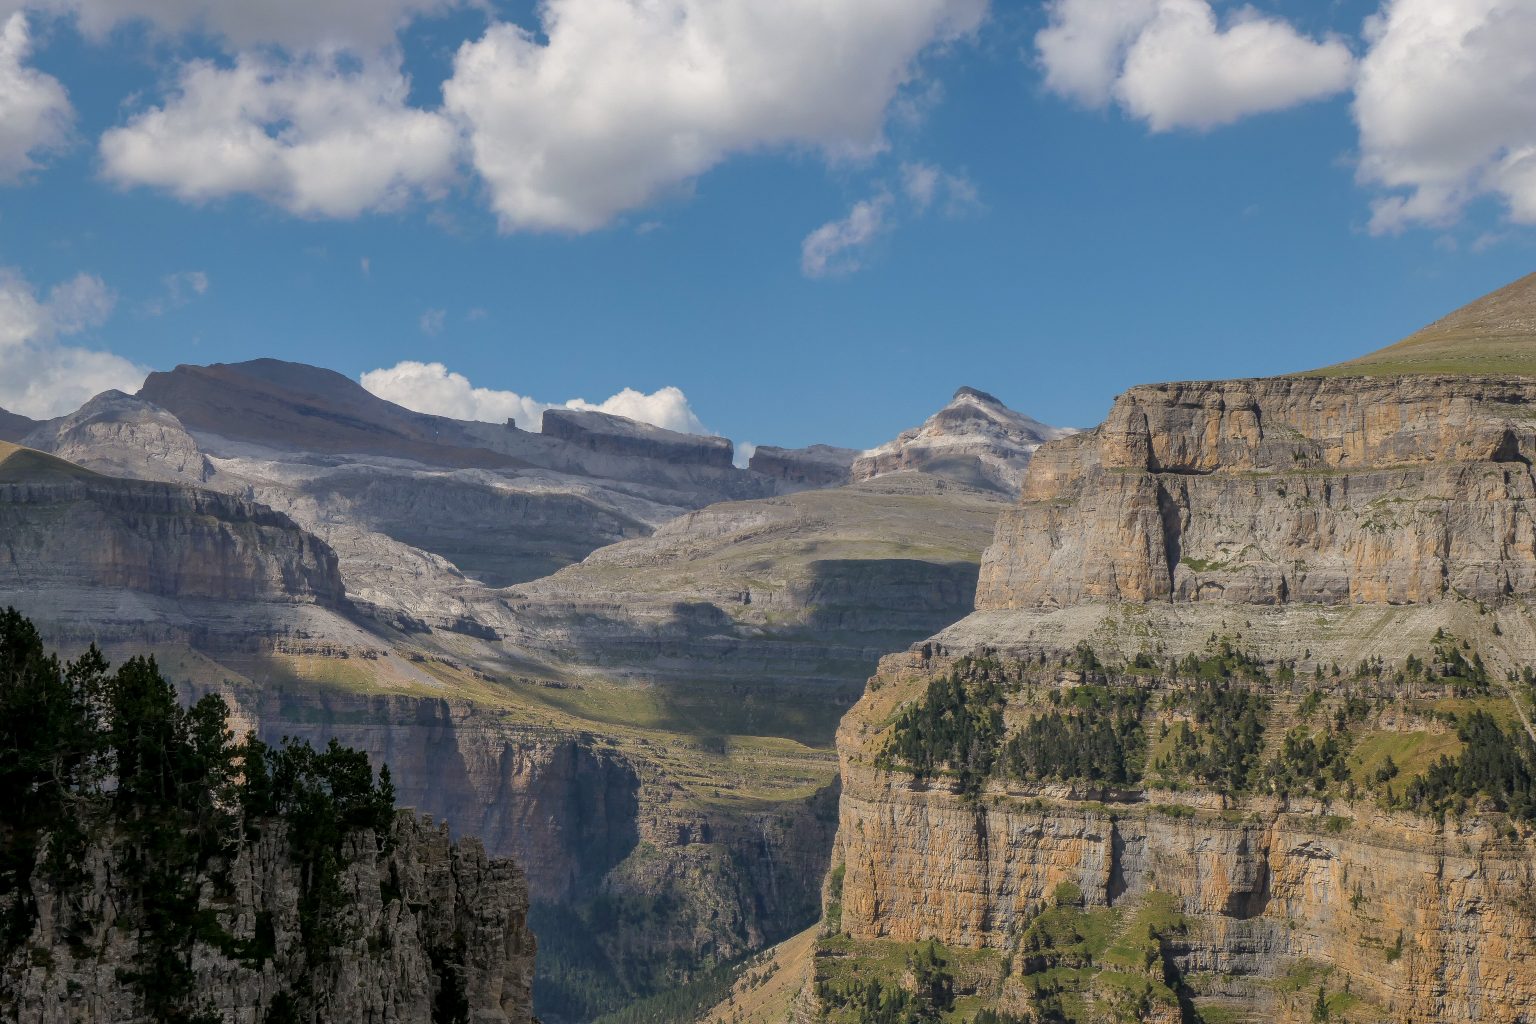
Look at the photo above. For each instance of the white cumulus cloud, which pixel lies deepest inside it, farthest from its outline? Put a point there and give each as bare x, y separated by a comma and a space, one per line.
35, 114
1446, 107
317, 135
433, 388
39, 376
617, 102
1171, 64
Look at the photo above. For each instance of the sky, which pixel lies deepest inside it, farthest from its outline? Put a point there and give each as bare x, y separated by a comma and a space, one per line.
783, 221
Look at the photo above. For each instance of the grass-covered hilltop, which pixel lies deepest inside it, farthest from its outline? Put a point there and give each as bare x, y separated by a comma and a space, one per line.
1495, 335
153, 867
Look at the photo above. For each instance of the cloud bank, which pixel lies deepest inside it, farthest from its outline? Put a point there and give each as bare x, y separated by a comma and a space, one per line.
39, 376
35, 113
1169, 63
1446, 107
315, 136
621, 102
433, 388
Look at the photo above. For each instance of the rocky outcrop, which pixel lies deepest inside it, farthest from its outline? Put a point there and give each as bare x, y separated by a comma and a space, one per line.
135, 537
119, 435
1314, 490
424, 924
99, 559
819, 465
616, 435
974, 440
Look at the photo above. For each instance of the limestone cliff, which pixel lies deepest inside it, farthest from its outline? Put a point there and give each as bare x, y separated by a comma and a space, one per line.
1189, 760
818, 465
1314, 490
91, 550
615, 435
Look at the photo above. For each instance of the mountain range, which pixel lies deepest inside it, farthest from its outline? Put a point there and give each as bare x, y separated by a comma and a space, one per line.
1219, 711
600, 647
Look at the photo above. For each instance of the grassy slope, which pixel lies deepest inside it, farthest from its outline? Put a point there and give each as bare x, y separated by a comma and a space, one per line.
719, 769
766, 991
1494, 335
905, 516
19, 464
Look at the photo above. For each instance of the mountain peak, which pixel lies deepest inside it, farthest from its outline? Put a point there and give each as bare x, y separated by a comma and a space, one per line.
974, 440
1495, 334
977, 394
13, 427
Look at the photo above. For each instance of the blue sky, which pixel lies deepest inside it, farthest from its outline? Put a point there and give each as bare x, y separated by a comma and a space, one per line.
1051, 225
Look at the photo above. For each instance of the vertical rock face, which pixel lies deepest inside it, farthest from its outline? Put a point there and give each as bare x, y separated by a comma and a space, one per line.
158, 539
565, 809
426, 924
1427, 921
1312, 490
592, 825
1312, 523
615, 435
975, 440
819, 465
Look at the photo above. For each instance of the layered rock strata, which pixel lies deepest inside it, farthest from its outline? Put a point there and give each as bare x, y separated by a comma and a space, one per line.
818, 465
615, 435
1390, 491
1312, 523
